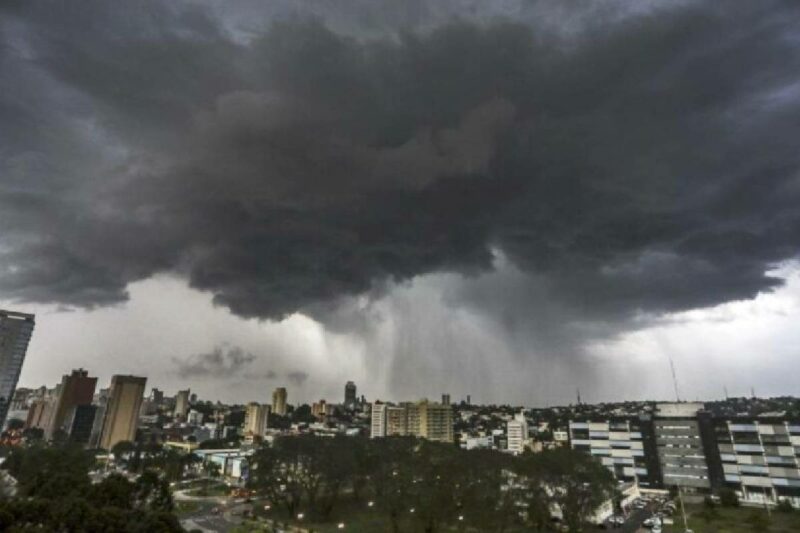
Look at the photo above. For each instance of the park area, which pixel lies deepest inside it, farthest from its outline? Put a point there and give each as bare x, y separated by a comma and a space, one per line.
737, 520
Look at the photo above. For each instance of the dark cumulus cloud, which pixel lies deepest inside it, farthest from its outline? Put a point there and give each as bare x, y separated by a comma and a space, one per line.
639, 161
221, 361
297, 377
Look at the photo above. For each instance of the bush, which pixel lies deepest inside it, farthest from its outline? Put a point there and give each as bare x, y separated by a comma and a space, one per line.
758, 521
728, 498
785, 507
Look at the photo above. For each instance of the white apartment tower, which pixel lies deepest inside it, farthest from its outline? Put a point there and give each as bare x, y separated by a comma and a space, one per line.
517, 433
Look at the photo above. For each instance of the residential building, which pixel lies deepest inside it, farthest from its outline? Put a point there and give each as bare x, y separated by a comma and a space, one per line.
445, 399
256, 418
517, 433
378, 420
429, 420
350, 394
194, 418
396, 420
122, 411
79, 423
279, 401
75, 389
15, 335
181, 404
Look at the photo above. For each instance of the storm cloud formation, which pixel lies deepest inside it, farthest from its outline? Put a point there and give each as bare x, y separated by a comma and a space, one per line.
620, 163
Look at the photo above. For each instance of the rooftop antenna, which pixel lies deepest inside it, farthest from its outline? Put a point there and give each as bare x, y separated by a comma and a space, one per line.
674, 377
725, 388
579, 396
752, 392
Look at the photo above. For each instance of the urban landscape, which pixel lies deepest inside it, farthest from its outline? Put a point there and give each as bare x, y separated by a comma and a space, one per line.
272, 465
399, 266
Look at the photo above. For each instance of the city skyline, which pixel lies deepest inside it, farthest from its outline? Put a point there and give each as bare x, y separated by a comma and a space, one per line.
511, 200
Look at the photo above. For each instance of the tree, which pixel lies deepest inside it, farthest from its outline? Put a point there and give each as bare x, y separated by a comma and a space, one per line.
575, 482
728, 497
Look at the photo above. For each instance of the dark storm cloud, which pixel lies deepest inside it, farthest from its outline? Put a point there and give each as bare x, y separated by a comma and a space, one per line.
297, 377
222, 360
639, 164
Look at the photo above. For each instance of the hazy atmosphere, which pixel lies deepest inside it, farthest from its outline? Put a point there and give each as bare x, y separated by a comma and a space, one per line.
507, 199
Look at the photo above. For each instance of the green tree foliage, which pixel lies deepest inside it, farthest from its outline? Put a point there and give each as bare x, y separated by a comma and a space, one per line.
728, 497
55, 493
426, 486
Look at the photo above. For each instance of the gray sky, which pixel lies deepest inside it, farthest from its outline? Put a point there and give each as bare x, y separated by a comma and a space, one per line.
506, 199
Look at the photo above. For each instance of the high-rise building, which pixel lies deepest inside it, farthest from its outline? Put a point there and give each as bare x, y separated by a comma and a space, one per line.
181, 404
321, 409
445, 399
424, 419
157, 396
101, 402
255, 418
517, 433
436, 421
378, 420
79, 423
350, 394
396, 420
15, 334
75, 389
122, 411
279, 401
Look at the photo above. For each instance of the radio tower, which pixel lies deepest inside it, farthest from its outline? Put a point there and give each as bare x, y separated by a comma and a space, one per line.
674, 377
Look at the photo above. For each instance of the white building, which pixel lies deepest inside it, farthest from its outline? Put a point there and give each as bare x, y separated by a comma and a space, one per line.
378, 421
517, 433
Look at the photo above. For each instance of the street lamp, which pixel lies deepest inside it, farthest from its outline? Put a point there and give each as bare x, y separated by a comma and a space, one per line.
300, 516
341, 525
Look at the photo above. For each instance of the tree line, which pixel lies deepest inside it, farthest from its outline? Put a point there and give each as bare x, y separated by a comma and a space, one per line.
418, 485
54, 492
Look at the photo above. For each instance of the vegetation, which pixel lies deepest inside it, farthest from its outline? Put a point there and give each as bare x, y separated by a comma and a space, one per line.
55, 493
418, 485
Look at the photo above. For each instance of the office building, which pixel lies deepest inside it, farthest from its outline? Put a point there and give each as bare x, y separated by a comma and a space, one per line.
760, 458
445, 399
256, 418
681, 452
625, 445
75, 389
279, 401
378, 420
350, 394
15, 335
181, 404
122, 411
517, 433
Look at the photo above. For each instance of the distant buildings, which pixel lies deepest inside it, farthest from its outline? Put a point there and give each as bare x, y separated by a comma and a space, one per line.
683, 445
75, 390
181, 404
350, 395
377, 426
428, 420
445, 399
256, 418
15, 334
517, 433
122, 412
279, 401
